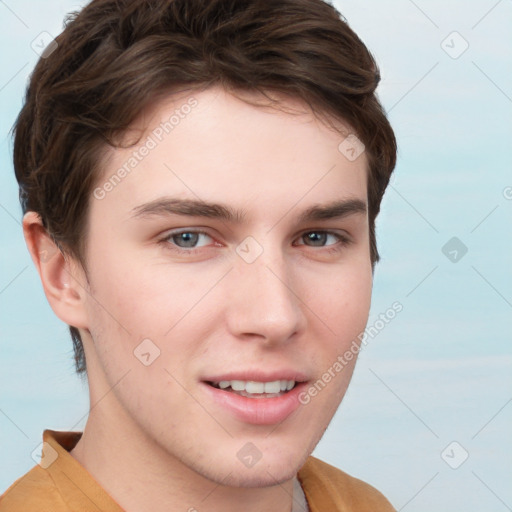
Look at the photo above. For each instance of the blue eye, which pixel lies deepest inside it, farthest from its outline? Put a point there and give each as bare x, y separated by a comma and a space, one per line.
188, 241
318, 238
188, 238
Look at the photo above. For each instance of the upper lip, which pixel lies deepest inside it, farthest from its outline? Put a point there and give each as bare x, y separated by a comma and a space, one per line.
258, 376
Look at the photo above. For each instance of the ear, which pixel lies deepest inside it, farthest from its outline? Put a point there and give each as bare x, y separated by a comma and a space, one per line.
62, 277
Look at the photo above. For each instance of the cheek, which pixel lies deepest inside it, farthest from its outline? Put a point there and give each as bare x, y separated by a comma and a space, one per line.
356, 296
133, 300
342, 303
119, 309
131, 292
343, 317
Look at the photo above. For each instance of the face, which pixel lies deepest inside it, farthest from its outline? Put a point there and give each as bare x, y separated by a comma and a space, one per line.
228, 269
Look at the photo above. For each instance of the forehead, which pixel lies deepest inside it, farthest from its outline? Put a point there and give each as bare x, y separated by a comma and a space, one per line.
214, 146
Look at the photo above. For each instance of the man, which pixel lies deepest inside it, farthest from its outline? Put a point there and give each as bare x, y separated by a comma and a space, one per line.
200, 181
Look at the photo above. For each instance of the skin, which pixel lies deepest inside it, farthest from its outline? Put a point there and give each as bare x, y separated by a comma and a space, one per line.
154, 439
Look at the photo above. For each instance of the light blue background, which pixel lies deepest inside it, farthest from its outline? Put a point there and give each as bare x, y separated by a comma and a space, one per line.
441, 370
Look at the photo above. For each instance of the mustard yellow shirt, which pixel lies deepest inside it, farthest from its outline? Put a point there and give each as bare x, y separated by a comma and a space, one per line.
66, 486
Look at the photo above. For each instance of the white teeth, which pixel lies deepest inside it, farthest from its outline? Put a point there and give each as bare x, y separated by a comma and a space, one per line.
237, 385
255, 387
273, 387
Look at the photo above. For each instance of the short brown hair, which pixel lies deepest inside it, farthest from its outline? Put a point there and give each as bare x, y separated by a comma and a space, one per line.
116, 56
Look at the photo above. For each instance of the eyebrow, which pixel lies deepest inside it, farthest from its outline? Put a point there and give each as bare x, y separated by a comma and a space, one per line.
195, 208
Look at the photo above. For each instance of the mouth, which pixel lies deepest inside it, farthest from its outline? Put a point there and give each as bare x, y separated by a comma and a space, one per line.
256, 397
255, 389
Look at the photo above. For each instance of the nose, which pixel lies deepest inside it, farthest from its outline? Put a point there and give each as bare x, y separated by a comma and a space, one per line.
263, 302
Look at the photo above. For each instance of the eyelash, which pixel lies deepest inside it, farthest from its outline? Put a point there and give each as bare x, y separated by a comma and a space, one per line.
343, 241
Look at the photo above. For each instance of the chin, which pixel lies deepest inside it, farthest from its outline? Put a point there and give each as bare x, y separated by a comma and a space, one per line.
272, 469
260, 477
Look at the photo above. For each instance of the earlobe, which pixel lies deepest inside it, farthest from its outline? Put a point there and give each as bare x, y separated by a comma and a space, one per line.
63, 284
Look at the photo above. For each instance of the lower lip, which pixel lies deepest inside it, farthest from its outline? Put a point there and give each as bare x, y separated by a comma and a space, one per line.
258, 411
